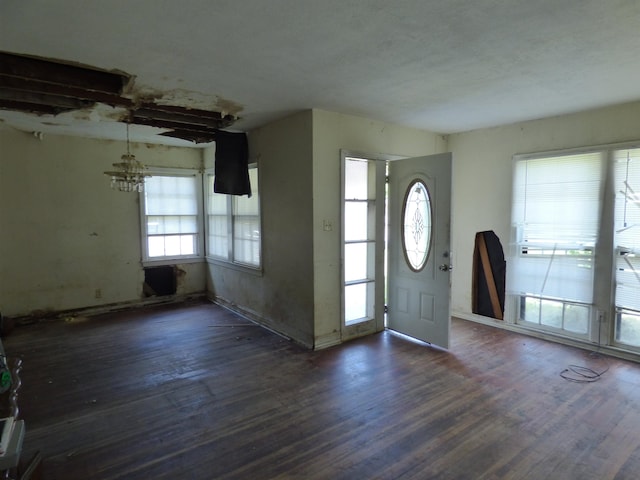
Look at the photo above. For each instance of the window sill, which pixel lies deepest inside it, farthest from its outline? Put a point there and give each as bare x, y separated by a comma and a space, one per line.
548, 330
257, 271
172, 261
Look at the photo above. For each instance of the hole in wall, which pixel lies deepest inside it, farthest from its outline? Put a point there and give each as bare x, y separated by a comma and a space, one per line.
159, 281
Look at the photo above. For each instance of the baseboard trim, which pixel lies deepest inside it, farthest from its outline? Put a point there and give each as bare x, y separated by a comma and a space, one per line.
326, 341
108, 308
255, 318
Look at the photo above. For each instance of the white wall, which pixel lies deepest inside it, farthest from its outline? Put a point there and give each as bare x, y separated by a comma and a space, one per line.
331, 133
64, 233
482, 178
281, 297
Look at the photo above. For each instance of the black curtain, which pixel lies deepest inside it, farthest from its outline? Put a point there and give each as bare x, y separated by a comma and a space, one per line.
232, 164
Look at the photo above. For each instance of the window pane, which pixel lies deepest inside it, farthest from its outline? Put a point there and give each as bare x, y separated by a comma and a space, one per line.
355, 302
155, 246
166, 195
157, 225
576, 318
171, 224
218, 236
187, 245
355, 261
154, 225
216, 202
356, 179
551, 313
355, 221
246, 241
245, 205
416, 230
172, 245
565, 276
628, 328
531, 310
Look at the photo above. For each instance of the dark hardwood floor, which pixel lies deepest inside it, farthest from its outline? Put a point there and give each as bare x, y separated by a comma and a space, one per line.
195, 392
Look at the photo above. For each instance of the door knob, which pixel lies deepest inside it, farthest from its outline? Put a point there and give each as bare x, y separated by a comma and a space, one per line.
445, 267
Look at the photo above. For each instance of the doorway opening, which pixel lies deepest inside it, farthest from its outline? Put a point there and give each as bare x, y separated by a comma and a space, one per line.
393, 252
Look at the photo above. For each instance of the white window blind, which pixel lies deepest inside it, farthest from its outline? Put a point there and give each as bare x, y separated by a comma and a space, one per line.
555, 221
234, 229
246, 224
627, 228
171, 215
218, 227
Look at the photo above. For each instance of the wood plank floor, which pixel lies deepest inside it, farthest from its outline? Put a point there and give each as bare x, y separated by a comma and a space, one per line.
195, 392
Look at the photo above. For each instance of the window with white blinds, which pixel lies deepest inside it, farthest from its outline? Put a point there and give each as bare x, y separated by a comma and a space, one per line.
218, 211
171, 216
555, 219
627, 229
627, 245
233, 224
246, 224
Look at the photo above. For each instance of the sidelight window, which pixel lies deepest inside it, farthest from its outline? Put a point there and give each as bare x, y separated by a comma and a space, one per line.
359, 241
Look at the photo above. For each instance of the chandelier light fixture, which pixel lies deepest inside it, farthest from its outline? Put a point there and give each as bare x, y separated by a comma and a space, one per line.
129, 174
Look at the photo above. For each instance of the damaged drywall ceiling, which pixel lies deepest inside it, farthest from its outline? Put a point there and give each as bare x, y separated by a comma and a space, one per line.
51, 89
442, 66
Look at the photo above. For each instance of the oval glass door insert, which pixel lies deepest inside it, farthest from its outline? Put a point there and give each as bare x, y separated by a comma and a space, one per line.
416, 225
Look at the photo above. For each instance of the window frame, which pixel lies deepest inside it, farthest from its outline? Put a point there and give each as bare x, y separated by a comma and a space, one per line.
229, 261
603, 310
368, 241
377, 238
144, 235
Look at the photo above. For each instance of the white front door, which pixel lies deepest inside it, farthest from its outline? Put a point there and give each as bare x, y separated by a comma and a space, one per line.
419, 284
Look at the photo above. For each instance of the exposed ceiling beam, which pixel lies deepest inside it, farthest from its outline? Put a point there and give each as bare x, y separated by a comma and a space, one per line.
26, 67
31, 85
192, 133
31, 108
45, 99
41, 86
183, 115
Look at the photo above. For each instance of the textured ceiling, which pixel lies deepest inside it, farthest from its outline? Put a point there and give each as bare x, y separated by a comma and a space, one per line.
445, 66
